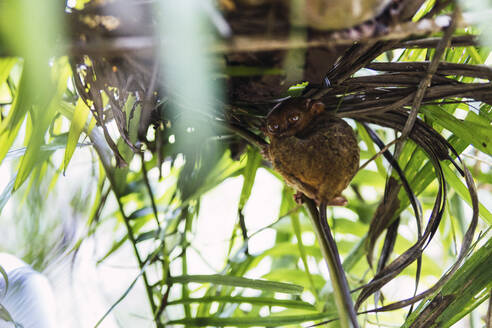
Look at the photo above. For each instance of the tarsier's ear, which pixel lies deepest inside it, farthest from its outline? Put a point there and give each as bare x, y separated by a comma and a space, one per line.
317, 107
307, 104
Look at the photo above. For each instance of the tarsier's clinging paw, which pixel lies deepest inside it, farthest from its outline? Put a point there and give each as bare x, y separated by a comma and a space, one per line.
298, 198
265, 153
315, 152
337, 201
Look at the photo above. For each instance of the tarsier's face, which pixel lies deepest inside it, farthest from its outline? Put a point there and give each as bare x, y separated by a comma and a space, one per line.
291, 116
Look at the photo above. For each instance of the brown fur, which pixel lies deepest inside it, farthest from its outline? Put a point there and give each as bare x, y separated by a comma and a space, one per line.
318, 155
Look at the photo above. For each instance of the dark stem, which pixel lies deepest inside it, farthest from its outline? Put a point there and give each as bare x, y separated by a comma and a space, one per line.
105, 157
341, 290
164, 301
149, 190
131, 237
247, 135
340, 273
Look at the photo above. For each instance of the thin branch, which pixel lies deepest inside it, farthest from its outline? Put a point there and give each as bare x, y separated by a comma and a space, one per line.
247, 135
149, 190
271, 225
164, 300
147, 45
457, 41
378, 154
105, 155
141, 264
443, 68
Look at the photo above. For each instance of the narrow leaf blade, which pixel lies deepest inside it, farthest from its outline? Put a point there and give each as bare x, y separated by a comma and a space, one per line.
78, 121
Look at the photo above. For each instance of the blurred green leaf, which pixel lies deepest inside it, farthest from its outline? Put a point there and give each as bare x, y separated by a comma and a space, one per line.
272, 321
296, 276
252, 164
77, 126
370, 178
297, 89
10, 126
239, 282
6, 65
286, 205
6, 193
116, 246
286, 248
6, 279
5, 315
41, 118
196, 182
252, 71
250, 300
132, 112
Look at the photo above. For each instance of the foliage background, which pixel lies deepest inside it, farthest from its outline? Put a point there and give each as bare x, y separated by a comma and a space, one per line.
75, 219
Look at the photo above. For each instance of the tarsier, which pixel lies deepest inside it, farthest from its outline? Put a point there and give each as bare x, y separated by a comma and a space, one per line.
315, 152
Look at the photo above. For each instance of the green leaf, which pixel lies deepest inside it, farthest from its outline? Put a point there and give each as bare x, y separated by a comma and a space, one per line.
60, 142
78, 122
372, 150
216, 279
459, 295
472, 52
421, 178
6, 65
297, 89
357, 252
10, 126
222, 169
152, 234
288, 202
5, 315
41, 118
33, 39
250, 300
369, 178
122, 297
286, 248
6, 193
460, 188
272, 321
249, 173
297, 276
6, 279
252, 71
350, 227
116, 245
140, 213
478, 135
132, 114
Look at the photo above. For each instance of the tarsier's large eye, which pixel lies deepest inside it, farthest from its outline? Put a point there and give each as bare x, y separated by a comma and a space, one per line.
273, 127
293, 118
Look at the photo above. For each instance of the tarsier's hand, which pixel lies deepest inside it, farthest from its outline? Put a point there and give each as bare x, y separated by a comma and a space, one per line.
265, 152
